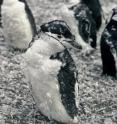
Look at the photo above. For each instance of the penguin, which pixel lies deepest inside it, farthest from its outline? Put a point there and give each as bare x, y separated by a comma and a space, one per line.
18, 23
68, 16
89, 19
86, 24
61, 30
96, 11
52, 74
108, 46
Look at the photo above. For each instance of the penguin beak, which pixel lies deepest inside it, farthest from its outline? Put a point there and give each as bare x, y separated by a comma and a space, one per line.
71, 44
66, 42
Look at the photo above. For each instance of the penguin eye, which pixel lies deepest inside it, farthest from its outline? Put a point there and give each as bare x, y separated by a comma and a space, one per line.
59, 36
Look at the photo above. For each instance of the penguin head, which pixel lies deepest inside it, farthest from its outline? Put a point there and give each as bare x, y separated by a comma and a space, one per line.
59, 30
46, 45
66, 43
44, 27
58, 27
49, 44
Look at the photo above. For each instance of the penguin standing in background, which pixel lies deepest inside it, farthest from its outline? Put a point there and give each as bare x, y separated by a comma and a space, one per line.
52, 74
18, 23
108, 46
86, 24
89, 19
96, 10
68, 16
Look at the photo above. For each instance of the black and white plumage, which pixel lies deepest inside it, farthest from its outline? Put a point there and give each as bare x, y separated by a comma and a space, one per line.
58, 27
109, 46
86, 24
61, 30
67, 78
68, 16
52, 74
96, 11
89, 19
18, 23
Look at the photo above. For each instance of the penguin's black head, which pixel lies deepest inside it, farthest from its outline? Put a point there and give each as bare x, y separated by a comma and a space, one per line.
59, 28
61, 31
44, 27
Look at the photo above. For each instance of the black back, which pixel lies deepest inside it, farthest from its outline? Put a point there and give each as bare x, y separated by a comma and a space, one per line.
108, 44
108, 61
95, 8
86, 24
67, 78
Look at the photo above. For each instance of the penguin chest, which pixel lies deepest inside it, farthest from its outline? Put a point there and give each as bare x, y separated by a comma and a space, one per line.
45, 88
43, 77
16, 25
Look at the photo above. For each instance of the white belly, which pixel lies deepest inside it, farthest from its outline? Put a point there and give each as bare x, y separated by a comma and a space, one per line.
16, 26
45, 88
42, 73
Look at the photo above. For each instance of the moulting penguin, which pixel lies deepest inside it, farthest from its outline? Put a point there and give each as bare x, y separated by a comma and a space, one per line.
52, 74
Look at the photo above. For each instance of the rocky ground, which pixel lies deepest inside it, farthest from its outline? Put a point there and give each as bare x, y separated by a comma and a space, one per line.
97, 93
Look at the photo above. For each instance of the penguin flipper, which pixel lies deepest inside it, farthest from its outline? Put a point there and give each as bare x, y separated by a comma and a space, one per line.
31, 17
67, 80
